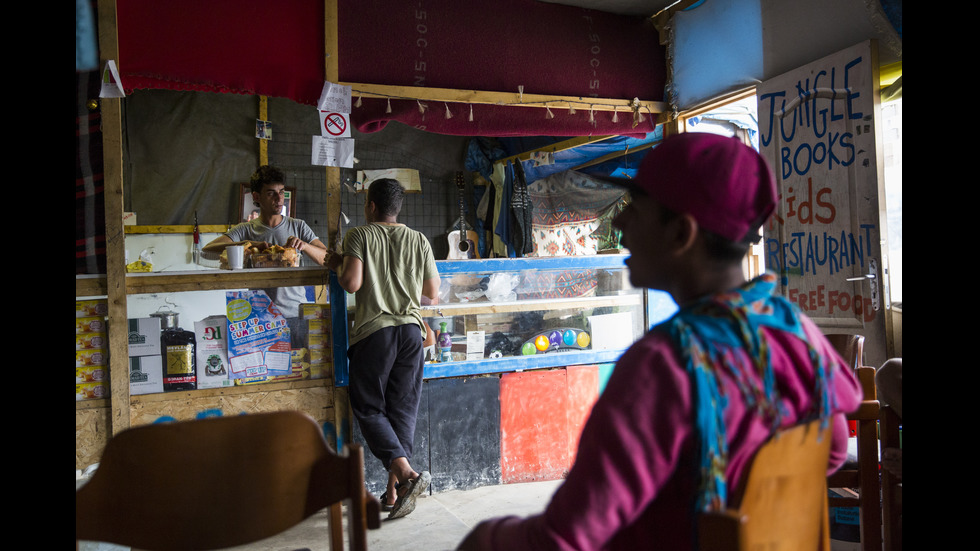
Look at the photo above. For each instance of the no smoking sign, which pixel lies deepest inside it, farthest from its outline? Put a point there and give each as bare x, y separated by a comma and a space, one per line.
334, 125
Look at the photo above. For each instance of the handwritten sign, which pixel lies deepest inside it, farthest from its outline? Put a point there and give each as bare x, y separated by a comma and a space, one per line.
817, 129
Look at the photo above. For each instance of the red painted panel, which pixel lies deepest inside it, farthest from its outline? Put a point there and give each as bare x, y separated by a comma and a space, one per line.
533, 426
583, 390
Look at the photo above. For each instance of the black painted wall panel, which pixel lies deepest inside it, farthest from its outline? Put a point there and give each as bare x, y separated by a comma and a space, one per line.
457, 438
464, 429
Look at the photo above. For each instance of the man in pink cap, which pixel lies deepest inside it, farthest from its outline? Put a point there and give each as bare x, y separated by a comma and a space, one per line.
689, 404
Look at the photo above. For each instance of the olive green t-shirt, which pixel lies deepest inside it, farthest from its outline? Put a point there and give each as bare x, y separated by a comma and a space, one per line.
397, 260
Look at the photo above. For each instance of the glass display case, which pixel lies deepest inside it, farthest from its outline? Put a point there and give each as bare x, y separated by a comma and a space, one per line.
500, 315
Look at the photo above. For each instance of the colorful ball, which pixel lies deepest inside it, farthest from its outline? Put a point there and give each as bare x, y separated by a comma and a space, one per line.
528, 349
555, 338
569, 337
584, 339
542, 343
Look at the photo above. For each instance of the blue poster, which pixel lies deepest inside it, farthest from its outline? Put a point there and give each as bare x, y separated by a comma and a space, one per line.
258, 336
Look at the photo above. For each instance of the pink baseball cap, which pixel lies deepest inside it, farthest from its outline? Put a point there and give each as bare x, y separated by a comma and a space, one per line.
724, 184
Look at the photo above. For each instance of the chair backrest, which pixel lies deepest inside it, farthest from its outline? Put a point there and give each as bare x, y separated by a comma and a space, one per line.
783, 498
220, 482
850, 347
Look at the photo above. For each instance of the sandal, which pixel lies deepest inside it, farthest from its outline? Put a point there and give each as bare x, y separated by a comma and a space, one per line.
385, 506
405, 503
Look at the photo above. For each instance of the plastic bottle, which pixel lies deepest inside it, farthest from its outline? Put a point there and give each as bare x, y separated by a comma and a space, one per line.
445, 343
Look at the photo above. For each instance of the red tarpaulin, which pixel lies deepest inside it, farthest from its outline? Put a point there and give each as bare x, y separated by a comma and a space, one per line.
277, 49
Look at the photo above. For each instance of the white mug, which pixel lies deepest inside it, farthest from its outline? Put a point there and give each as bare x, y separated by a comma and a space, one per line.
236, 256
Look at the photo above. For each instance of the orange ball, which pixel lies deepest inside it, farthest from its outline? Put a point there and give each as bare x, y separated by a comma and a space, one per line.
542, 343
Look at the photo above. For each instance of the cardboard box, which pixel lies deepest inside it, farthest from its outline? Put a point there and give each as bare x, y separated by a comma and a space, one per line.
144, 337
212, 352
95, 307
319, 341
91, 391
91, 341
312, 311
90, 324
91, 374
845, 524
86, 358
145, 375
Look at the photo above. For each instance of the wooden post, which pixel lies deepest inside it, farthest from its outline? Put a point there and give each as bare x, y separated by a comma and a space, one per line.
118, 332
338, 302
332, 72
264, 144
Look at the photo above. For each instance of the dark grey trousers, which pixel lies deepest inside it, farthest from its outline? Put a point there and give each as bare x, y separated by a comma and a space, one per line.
385, 389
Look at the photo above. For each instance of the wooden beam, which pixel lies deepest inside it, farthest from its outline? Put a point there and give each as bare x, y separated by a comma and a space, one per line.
514, 99
554, 148
613, 155
111, 111
178, 228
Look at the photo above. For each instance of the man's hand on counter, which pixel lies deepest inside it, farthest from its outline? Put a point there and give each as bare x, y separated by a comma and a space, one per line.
315, 250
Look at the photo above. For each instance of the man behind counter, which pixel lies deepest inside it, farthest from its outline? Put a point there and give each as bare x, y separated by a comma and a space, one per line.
275, 229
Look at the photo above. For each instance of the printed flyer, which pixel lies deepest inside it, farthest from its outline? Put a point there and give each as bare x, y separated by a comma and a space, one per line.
258, 336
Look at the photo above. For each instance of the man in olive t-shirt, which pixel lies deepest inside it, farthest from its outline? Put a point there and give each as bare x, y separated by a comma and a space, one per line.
389, 268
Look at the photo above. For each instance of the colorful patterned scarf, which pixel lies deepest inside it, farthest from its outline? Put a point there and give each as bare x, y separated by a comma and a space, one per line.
709, 334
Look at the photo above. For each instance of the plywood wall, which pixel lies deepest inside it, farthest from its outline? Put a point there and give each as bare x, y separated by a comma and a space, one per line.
91, 425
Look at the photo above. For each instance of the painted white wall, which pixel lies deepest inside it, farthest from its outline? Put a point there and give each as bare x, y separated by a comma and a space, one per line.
172, 253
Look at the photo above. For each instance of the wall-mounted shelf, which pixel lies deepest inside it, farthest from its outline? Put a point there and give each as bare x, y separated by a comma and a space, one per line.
204, 280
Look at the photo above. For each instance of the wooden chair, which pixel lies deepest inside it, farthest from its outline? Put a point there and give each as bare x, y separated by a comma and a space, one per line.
891, 486
222, 482
783, 504
860, 483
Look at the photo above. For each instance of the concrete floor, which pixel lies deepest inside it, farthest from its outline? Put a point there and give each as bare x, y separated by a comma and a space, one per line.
440, 521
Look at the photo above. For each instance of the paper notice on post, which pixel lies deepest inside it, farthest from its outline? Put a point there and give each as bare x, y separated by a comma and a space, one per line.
407, 177
334, 97
337, 152
111, 84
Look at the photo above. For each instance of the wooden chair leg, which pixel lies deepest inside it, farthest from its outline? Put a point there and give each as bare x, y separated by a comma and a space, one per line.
891, 489
870, 486
336, 527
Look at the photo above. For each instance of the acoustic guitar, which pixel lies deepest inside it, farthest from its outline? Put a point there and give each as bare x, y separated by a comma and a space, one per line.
462, 243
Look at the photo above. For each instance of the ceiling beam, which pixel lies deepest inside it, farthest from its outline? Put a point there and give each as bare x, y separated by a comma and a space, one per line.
514, 99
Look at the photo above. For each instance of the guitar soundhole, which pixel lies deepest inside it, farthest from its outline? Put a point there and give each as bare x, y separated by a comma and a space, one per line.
464, 246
